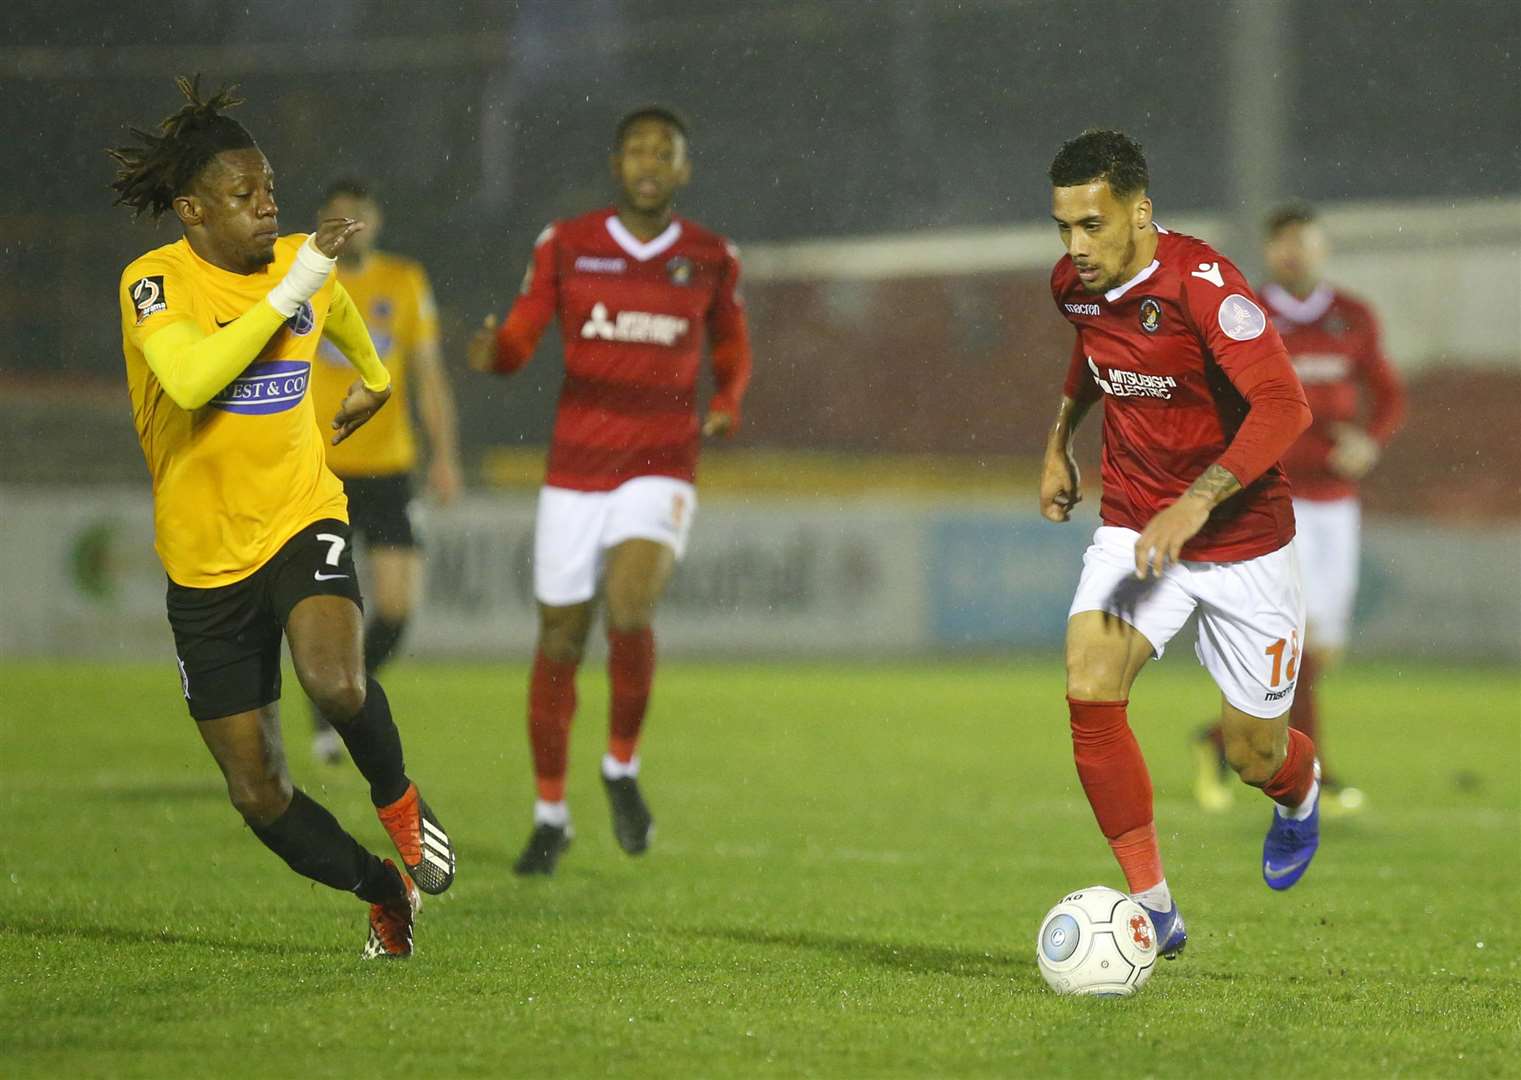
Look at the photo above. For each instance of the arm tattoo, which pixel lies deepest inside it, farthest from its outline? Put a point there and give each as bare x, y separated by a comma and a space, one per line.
1216, 484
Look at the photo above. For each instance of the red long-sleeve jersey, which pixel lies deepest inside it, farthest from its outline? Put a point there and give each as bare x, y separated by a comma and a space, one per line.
1191, 373
633, 317
1334, 343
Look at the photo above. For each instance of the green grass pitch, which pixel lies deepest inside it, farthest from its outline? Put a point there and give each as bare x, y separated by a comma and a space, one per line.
850, 867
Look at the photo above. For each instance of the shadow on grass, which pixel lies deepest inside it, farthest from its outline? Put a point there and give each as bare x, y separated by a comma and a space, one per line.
120, 935
924, 959
190, 789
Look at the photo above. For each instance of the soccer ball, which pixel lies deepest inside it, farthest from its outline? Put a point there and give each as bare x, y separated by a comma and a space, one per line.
1096, 941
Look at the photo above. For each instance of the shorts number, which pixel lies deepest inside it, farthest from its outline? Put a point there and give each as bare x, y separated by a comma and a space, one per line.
1276, 651
335, 548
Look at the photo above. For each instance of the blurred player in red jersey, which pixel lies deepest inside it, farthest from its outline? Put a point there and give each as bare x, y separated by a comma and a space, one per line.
636, 289
1200, 402
1333, 341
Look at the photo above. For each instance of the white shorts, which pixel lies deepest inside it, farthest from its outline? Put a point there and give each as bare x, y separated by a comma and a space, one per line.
1251, 614
575, 530
1329, 538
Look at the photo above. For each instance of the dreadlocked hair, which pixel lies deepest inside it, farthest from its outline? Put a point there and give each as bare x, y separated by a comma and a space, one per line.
150, 175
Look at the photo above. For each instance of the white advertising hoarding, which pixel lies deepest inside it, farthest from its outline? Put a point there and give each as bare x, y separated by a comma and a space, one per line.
764, 578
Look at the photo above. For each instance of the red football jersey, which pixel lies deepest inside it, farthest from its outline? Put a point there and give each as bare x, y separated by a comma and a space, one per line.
633, 317
1180, 354
1333, 342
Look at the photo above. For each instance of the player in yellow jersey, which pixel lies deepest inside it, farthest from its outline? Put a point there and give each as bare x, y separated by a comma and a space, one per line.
219, 330
376, 464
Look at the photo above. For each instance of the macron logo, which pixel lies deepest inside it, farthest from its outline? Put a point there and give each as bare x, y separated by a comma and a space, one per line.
636, 327
1210, 272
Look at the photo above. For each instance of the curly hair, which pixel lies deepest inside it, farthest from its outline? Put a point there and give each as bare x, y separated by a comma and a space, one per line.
1101, 154
160, 167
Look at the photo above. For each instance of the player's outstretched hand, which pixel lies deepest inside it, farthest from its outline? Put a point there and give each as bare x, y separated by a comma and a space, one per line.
1355, 452
1061, 486
1162, 540
360, 404
480, 354
718, 423
333, 233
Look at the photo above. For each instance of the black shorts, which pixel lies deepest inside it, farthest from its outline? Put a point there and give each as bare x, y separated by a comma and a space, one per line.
380, 509
228, 638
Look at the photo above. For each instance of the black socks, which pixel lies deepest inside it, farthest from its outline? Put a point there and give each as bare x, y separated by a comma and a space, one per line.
314, 845
375, 745
381, 636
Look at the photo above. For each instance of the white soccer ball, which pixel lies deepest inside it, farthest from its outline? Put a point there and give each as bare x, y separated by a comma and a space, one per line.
1096, 941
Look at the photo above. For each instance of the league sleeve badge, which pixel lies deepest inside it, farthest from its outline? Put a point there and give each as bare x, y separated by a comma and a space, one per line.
148, 296
1240, 319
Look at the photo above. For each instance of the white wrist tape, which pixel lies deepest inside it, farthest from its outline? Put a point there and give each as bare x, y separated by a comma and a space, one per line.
302, 280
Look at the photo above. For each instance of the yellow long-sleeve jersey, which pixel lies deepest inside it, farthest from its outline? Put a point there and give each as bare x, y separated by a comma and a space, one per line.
218, 381
397, 303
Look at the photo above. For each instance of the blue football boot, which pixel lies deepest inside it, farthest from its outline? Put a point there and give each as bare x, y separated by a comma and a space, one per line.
1171, 935
1289, 847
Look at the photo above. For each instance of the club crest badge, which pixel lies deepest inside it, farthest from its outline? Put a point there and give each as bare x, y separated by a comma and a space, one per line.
679, 270
1151, 314
302, 322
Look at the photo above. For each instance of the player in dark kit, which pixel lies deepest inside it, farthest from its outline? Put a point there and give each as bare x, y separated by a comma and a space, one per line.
1358, 402
1200, 402
219, 330
637, 289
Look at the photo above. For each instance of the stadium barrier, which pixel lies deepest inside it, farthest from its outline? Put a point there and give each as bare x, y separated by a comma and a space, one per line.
764, 577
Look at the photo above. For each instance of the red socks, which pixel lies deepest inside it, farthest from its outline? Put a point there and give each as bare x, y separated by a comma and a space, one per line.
551, 707
1118, 787
1290, 785
631, 669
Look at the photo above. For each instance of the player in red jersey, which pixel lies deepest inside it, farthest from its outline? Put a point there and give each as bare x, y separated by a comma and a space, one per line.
1333, 341
636, 289
1200, 401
